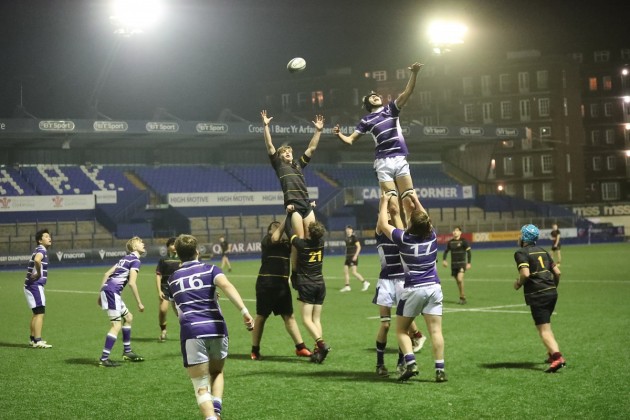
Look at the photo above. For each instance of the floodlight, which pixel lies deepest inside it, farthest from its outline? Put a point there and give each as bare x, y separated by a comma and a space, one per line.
135, 16
443, 34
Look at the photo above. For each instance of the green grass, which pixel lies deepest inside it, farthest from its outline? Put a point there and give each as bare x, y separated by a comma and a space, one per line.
493, 354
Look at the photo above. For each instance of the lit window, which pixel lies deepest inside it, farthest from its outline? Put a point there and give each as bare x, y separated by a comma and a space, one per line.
592, 84
317, 99
606, 83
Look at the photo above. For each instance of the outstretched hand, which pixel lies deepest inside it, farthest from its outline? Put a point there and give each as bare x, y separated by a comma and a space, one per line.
266, 120
319, 122
416, 67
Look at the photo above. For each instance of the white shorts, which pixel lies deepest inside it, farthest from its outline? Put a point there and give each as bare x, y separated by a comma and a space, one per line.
422, 300
201, 350
388, 292
388, 169
114, 305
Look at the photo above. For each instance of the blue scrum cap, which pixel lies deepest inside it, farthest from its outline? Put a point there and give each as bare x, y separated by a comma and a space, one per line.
529, 233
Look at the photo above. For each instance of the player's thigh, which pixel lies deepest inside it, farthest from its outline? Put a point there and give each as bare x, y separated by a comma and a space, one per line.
387, 185
308, 219
297, 223
404, 183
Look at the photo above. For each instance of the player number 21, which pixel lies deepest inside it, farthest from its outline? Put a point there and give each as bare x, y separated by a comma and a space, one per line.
315, 256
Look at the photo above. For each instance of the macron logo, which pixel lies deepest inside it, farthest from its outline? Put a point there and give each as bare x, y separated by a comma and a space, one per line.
101, 253
59, 255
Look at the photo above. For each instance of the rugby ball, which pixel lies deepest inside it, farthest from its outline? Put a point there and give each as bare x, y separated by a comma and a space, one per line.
296, 64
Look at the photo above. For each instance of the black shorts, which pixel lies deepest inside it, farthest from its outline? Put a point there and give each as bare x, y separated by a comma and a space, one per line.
303, 208
166, 290
556, 248
313, 294
542, 307
350, 263
273, 297
456, 270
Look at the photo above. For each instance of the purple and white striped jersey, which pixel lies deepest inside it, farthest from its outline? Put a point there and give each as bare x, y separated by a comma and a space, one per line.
117, 281
418, 257
385, 129
193, 289
41, 249
389, 255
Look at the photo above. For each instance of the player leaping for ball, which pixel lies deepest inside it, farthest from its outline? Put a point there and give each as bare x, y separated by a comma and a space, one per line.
391, 150
289, 172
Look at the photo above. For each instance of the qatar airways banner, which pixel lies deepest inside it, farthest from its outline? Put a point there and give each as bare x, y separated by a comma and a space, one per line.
250, 198
443, 192
47, 203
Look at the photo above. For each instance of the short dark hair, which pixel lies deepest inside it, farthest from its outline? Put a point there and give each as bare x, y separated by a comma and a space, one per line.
316, 230
275, 222
349, 227
40, 234
170, 241
186, 247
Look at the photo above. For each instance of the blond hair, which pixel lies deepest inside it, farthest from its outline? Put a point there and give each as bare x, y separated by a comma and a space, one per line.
132, 243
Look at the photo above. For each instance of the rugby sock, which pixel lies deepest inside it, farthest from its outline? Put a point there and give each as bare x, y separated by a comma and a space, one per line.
439, 364
126, 335
218, 405
321, 344
299, 346
556, 355
32, 338
410, 359
380, 353
401, 358
110, 340
256, 349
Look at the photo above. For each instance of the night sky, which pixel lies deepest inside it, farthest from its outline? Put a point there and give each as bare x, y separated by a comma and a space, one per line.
207, 55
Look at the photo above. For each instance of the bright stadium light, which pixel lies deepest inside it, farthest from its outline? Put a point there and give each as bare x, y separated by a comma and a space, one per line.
443, 35
132, 17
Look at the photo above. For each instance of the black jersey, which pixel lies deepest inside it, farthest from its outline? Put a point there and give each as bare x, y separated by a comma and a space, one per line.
351, 245
310, 260
541, 279
274, 265
167, 266
291, 178
225, 247
460, 252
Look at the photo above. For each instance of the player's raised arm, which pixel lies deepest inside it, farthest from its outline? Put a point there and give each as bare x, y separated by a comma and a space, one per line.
266, 120
411, 85
346, 139
319, 127
383, 224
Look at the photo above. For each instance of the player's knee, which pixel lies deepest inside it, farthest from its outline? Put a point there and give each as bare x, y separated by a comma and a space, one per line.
202, 389
406, 193
128, 318
386, 322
